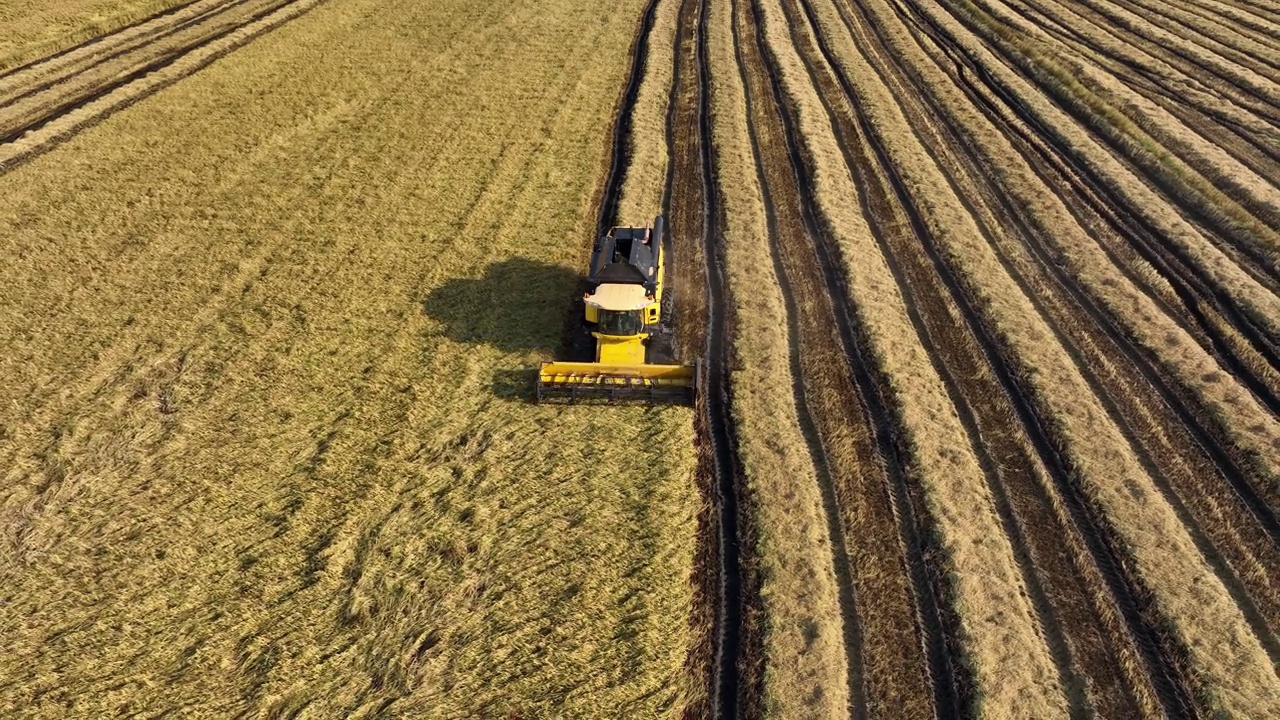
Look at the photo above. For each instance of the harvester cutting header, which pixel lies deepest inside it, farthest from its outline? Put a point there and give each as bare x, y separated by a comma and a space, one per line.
627, 309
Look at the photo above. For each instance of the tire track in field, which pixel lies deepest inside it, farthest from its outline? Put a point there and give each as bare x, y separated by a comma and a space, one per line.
1234, 530
908, 632
1250, 51
1082, 633
1189, 57
1247, 240
728, 577
1110, 219
1228, 519
740, 659
1193, 107
41, 115
1233, 332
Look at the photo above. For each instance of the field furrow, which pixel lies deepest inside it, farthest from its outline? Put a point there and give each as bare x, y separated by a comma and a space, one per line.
1259, 52
1051, 402
1187, 197
812, 639
1164, 424
1059, 581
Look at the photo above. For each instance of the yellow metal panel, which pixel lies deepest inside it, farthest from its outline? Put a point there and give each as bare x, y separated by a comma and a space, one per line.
620, 349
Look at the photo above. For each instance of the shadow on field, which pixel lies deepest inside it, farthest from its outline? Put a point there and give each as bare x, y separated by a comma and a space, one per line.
517, 305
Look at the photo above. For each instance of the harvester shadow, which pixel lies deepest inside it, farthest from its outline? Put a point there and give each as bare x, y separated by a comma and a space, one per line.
517, 305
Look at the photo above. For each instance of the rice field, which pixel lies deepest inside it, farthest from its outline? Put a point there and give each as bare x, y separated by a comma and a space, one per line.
986, 295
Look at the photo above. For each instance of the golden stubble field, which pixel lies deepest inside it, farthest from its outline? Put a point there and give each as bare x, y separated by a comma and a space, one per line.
265, 433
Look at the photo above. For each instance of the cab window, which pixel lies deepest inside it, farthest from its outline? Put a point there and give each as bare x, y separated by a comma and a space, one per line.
620, 322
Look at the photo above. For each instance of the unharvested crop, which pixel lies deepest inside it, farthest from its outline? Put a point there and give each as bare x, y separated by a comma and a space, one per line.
266, 433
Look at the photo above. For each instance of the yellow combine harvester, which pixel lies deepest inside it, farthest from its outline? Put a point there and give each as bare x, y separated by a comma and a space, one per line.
628, 311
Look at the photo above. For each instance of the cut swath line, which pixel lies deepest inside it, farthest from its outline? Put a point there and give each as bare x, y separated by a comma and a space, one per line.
948, 684
52, 131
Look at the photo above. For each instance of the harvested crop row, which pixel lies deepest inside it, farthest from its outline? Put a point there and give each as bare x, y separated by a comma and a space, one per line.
1255, 351
1253, 553
1259, 16
1249, 241
1197, 106
1258, 51
48, 116
1256, 194
1239, 82
862, 438
991, 173
1082, 628
957, 489
1253, 433
806, 595
35, 29
1045, 393
267, 452
704, 320
60, 65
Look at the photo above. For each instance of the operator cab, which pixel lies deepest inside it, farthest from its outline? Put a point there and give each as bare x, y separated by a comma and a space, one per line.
624, 285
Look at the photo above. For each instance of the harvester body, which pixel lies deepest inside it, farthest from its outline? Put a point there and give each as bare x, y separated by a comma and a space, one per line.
624, 308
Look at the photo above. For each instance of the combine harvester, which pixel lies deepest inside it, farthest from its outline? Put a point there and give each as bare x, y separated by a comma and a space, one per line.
628, 313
